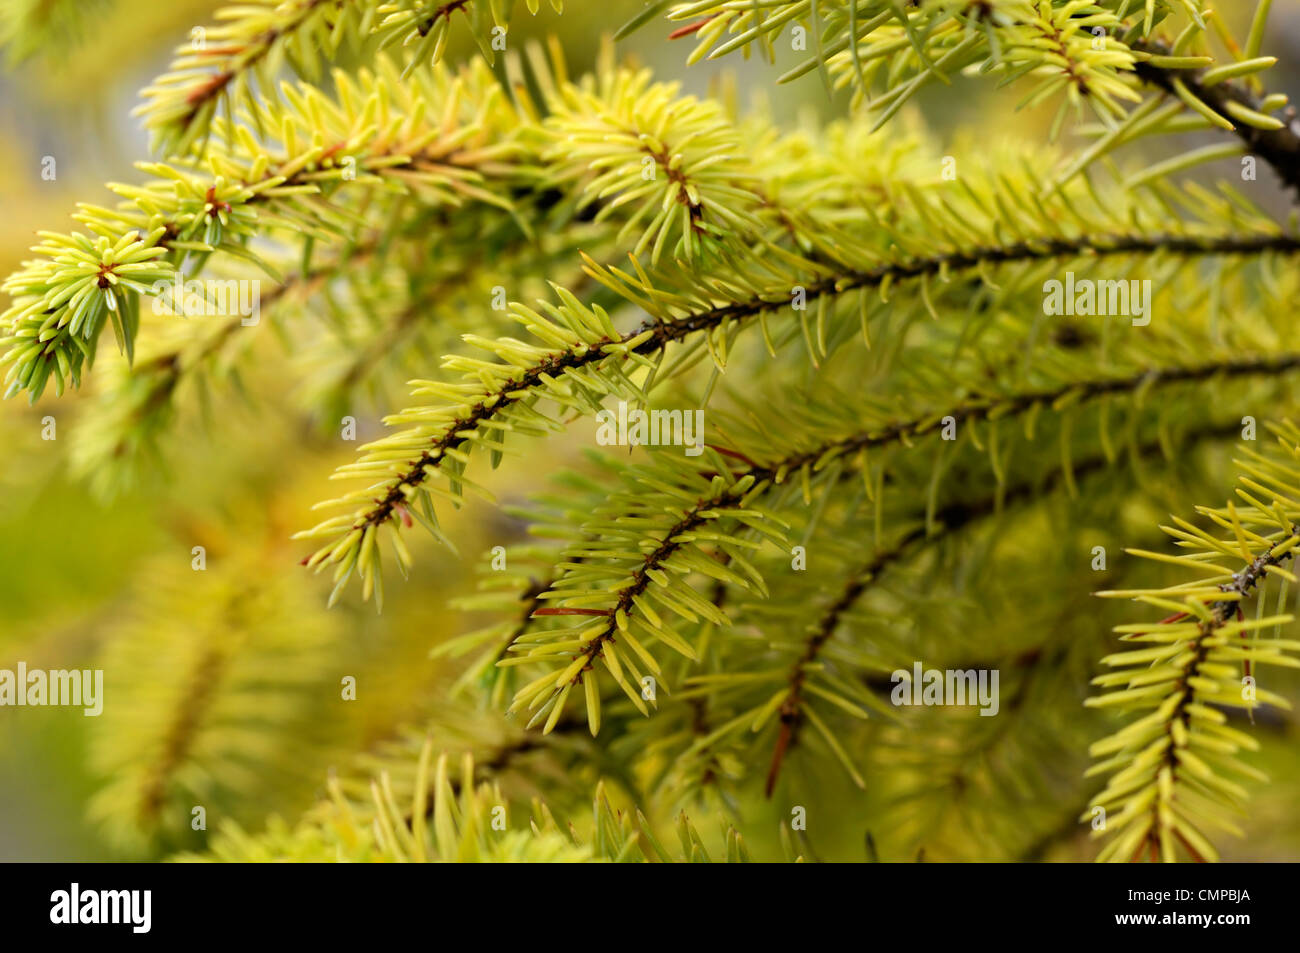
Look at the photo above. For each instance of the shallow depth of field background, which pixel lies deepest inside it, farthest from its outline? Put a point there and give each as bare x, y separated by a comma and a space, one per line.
70, 566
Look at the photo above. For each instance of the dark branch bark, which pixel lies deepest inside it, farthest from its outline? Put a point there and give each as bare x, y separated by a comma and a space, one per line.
1279, 148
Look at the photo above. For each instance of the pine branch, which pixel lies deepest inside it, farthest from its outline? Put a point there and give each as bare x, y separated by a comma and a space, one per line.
573, 520
237, 60
884, 620
1171, 770
505, 401
856, 43
636, 543
136, 404
1081, 51
233, 718
1275, 141
793, 709
905, 450
28, 26
927, 530
631, 607
198, 207
460, 828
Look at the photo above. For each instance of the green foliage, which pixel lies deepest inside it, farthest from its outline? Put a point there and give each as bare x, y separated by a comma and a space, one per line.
235, 64
579, 357
1176, 772
214, 205
450, 819
28, 26
213, 708
908, 456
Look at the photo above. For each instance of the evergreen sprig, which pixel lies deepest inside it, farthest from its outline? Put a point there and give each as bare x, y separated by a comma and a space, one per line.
1175, 772
906, 451
457, 819
580, 357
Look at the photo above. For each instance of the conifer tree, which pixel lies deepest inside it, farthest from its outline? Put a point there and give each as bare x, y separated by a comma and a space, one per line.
763, 434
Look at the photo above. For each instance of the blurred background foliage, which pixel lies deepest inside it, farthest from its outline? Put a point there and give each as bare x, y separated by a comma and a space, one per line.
83, 582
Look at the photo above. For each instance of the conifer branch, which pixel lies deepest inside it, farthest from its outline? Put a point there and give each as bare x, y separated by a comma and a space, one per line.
951, 518
792, 707
745, 676
624, 610
1172, 772
239, 58
1276, 141
167, 742
181, 105
136, 404
911, 445
198, 207
490, 156
28, 26
450, 821
598, 642
1086, 53
482, 412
